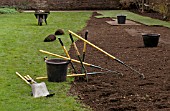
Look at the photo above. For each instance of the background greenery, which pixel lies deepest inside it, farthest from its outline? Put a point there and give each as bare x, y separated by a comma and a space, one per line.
20, 41
7, 11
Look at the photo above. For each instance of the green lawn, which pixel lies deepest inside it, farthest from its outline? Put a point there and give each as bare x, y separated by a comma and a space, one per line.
135, 17
20, 41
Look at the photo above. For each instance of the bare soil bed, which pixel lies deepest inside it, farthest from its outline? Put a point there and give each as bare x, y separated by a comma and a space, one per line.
113, 92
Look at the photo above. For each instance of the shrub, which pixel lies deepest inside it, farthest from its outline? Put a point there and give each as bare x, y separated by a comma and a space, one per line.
7, 11
128, 4
163, 9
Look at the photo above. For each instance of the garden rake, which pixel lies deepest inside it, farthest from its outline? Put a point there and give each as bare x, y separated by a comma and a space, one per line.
111, 56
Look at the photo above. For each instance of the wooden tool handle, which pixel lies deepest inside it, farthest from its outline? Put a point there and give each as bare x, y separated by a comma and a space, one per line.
71, 75
92, 45
22, 78
74, 44
64, 48
56, 55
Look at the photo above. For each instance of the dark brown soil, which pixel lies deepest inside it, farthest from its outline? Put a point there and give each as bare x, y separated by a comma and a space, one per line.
113, 92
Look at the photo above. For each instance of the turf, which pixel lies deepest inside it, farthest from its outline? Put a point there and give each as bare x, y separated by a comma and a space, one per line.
20, 41
135, 17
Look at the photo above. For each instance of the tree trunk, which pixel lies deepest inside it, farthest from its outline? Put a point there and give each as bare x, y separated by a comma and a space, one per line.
142, 6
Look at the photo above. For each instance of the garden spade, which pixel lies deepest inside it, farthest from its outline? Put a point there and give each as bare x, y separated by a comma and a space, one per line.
38, 89
84, 48
78, 55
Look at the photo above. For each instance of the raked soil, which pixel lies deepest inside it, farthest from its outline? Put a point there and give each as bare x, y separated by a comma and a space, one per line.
112, 91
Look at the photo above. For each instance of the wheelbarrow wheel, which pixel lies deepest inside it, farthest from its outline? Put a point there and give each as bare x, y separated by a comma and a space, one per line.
40, 23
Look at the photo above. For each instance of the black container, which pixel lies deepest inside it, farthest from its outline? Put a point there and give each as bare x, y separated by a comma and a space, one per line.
150, 40
121, 19
57, 70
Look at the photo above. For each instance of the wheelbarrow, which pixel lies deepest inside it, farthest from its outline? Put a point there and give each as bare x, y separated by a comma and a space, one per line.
41, 15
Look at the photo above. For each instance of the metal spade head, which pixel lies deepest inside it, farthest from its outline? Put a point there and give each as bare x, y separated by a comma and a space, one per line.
39, 90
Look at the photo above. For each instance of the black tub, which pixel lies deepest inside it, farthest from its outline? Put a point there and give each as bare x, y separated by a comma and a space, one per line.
150, 40
121, 19
57, 70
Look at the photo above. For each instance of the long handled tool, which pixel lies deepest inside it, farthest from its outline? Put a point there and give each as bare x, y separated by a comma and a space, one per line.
78, 55
84, 48
111, 56
66, 52
66, 58
30, 79
74, 75
38, 89
23, 78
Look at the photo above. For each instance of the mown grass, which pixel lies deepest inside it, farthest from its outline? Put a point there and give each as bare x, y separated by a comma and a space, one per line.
135, 17
20, 41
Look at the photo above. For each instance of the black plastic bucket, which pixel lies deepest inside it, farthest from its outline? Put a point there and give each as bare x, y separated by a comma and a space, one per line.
57, 70
150, 40
121, 19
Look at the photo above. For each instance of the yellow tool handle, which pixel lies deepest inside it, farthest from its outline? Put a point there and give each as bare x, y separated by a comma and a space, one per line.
26, 78
73, 60
29, 77
22, 78
74, 75
71, 75
76, 49
92, 44
78, 54
64, 48
84, 49
38, 78
74, 44
66, 52
46, 52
